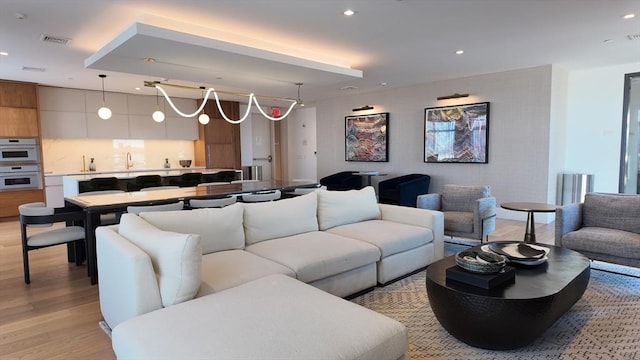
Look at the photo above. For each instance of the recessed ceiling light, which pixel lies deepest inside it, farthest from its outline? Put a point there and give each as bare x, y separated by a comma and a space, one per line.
460, 52
349, 12
4, 53
149, 60
138, 88
629, 16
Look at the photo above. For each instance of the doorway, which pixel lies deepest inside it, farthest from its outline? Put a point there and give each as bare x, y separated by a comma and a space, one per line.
630, 145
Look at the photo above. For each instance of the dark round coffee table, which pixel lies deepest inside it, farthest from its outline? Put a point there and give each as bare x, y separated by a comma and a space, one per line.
514, 314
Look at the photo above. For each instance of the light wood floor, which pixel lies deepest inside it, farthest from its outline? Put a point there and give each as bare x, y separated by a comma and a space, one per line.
56, 316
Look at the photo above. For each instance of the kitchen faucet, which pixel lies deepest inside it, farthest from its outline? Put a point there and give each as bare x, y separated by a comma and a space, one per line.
129, 161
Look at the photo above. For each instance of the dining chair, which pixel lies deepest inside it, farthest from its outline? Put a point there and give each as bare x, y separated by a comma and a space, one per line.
212, 203
38, 215
262, 196
148, 208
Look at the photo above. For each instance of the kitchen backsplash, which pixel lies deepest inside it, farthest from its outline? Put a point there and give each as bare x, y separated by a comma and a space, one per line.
65, 155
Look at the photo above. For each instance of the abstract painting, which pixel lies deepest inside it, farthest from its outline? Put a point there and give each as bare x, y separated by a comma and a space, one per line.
457, 134
366, 137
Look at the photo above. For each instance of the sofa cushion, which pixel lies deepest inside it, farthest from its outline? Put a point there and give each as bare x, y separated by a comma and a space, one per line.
274, 317
390, 237
225, 269
600, 240
614, 211
219, 228
337, 208
176, 258
317, 255
458, 221
276, 219
462, 197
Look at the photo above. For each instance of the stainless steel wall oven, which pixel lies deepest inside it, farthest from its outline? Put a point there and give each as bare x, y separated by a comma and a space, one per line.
20, 166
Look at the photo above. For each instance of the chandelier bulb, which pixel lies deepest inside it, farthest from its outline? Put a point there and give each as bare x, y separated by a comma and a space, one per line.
104, 113
158, 116
203, 119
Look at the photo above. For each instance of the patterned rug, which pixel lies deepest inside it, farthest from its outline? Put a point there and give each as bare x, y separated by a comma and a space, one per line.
603, 324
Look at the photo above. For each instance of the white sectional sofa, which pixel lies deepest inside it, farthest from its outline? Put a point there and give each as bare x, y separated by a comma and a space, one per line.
341, 242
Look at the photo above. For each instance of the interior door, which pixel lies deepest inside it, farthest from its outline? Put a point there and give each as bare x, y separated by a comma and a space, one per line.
262, 145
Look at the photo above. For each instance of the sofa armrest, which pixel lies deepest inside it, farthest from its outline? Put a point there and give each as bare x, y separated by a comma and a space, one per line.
429, 201
128, 286
568, 218
484, 215
430, 219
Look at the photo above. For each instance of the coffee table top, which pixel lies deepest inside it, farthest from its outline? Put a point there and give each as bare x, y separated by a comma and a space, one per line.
529, 206
546, 279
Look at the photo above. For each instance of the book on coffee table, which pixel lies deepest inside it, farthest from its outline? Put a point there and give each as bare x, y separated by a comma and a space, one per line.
485, 281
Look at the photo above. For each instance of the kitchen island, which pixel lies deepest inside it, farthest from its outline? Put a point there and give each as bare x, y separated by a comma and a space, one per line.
59, 186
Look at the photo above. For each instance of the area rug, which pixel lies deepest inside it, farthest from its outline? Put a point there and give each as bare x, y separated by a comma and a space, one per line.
603, 324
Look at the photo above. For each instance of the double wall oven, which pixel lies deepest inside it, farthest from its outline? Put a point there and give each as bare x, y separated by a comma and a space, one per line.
20, 166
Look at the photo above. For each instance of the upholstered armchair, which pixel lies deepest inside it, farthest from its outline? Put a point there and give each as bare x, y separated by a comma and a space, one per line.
403, 190
469, 210
344, 180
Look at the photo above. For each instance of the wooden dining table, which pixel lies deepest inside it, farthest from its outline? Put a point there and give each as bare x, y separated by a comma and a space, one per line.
95, 205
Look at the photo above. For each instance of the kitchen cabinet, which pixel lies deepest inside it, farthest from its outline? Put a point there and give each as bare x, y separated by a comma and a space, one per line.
72, 113
53, 191
18, 94
143, 127
63, 124
60, 99
10, 200
19, 122
117, 127
117, 102
219, 140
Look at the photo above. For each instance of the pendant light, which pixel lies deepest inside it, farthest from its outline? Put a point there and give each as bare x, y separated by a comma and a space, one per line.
104, 112
299, 100
158, 115
203, 118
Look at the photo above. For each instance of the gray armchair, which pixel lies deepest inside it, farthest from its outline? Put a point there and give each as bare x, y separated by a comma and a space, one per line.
605, 227
469, 210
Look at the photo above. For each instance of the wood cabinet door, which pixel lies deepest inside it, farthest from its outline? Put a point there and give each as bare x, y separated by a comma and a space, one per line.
222, 139
19, 122
14, 94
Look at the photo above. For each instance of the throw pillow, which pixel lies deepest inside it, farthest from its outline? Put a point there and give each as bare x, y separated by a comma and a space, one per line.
219, 228
176, 258
337, 208
276, 219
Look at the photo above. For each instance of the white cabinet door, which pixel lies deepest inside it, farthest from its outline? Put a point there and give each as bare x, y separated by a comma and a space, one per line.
115, 101
141, 105
182, 128
115, 128
63, 124
54, 191
178, 127
60, 99
143, 127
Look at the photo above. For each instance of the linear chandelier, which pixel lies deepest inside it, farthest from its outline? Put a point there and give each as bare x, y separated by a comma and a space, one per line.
204, 118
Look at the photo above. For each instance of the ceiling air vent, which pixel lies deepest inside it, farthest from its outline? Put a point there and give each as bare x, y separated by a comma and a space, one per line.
35, 69
55, 39
633, 37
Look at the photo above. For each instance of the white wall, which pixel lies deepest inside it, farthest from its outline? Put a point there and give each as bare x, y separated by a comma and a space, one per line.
301, 144
594, 123
519, 134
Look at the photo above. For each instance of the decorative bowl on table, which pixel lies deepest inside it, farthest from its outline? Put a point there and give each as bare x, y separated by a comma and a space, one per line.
184, 163
479, 261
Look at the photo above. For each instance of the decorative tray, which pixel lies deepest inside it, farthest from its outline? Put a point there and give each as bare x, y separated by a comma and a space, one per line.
519, 253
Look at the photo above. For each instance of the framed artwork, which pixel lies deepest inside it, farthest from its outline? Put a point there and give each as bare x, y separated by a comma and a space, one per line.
457, 134
366, 137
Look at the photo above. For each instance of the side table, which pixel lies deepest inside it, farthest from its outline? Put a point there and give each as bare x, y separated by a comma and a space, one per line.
530, 208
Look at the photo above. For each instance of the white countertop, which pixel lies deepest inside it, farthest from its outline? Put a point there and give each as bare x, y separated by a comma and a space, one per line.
132, 174
122, 171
